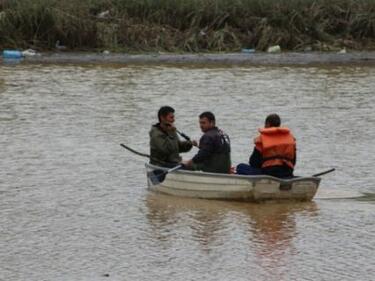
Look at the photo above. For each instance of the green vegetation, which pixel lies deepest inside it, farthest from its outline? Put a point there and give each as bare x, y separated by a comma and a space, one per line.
187, 25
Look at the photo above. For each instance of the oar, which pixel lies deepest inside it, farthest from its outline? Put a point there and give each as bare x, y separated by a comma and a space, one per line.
141, 154
183, 135
178, 132
186, 138
158, 176
134, 151
323, 173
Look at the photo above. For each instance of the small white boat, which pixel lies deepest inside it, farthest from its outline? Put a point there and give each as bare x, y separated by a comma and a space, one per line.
198, 184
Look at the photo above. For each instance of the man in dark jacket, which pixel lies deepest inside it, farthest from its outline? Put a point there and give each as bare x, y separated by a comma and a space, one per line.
214, 148
165, 146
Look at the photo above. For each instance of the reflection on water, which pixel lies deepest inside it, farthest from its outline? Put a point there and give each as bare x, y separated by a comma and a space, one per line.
269, 228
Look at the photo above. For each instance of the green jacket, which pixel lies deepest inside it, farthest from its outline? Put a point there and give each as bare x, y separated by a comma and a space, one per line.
165, 147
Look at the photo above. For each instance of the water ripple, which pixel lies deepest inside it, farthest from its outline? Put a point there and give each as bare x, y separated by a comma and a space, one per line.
74, 204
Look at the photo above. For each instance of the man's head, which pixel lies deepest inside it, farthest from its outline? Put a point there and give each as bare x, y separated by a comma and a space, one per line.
166, 115
272, 120
206, 121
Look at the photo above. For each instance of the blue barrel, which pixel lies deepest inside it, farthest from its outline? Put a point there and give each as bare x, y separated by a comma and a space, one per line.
12, 54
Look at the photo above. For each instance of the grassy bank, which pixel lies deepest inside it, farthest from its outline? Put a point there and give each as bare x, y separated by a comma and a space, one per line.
187, 25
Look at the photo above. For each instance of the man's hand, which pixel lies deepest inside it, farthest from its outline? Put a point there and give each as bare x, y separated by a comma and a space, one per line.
169, 127
187, 163
194, 143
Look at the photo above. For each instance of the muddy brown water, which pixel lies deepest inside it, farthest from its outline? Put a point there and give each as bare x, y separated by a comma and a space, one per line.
74, 204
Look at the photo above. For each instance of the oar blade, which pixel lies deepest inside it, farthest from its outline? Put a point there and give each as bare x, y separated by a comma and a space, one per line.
156, 176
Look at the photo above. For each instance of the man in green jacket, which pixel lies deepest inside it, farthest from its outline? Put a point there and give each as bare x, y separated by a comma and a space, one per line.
165, 146
214, 148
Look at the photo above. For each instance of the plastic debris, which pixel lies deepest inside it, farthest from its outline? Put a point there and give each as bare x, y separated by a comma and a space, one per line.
248, 51
103, 15
274, 49
29, 53
12, 54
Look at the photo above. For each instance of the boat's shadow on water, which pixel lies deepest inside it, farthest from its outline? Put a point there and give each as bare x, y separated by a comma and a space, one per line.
267, 228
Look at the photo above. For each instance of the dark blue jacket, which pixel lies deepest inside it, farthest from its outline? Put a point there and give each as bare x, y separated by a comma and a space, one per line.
256, 161
214, 152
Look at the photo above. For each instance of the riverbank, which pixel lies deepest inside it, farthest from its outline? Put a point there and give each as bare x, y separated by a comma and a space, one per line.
261, 58
193, 26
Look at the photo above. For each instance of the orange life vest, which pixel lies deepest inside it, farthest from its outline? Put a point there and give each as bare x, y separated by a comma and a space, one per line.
277, 146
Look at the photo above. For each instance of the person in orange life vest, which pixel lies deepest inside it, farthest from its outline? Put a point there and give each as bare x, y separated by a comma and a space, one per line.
274, 153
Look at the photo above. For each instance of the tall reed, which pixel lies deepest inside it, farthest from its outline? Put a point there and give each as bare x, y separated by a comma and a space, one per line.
187, 25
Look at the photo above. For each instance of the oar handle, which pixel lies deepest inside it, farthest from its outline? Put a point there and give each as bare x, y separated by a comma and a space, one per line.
173, 169
134, 151
144, 155
325, 172
183, 135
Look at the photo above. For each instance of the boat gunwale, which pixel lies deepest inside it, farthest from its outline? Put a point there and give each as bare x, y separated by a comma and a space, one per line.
247, 177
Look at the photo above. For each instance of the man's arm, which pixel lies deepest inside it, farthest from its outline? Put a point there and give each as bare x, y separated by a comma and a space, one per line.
184, 146
256, 159
294, 161
206, 148
164, 143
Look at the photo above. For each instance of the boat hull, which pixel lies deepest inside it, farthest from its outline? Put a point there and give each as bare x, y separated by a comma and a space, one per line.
230, 187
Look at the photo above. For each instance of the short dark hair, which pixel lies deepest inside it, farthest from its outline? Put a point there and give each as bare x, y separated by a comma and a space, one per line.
209, 115
164, 111
273, 120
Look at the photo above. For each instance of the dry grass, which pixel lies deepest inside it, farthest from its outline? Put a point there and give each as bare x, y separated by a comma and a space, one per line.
187, 25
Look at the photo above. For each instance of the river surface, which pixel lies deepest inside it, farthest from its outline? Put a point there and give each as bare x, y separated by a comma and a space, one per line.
74, 204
